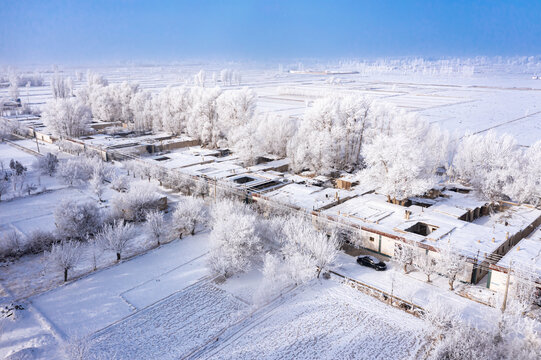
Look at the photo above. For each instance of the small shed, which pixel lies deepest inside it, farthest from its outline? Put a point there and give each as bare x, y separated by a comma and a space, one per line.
344, 183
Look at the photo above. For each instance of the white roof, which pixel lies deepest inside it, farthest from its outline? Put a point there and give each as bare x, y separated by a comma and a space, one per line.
308, 197
471, 238
526, 255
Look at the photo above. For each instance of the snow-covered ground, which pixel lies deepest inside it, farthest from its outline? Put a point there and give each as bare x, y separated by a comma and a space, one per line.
174, 327
412, 287
326, 320
504, 100
323, 319
109, 295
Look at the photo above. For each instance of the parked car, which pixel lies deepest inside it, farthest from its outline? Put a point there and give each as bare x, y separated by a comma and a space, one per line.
370, 261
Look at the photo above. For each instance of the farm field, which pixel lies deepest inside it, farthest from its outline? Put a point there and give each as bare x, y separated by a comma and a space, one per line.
507, 101
326, 320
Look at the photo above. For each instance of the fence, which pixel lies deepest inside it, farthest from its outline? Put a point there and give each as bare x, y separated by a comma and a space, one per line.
393, 300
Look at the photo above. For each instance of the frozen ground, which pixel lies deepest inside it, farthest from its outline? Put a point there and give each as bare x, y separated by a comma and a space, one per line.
102, 298
326, 320
503, 98
413, 287
173, 328
320, 320
109, 295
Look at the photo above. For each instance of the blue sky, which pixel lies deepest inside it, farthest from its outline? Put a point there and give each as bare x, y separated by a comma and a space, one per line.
82, 31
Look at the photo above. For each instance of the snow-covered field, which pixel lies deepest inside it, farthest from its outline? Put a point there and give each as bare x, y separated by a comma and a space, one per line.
506, 101
174, 327
326, 320
320, 320
163, 302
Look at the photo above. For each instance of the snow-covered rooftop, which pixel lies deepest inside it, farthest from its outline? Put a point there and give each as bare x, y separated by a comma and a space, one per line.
483, 236
308, 197
215, 170
526, 254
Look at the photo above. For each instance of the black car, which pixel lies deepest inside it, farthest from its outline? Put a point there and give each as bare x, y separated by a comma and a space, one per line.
372, 262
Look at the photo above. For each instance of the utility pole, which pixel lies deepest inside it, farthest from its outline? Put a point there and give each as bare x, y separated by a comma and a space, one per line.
35, 137
506, 287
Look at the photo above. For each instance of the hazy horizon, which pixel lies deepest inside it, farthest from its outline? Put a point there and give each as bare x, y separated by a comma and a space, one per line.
137, 31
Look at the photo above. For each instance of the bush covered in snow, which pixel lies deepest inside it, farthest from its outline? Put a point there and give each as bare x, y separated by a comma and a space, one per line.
75, 171
77, 220
136, 202
11, 244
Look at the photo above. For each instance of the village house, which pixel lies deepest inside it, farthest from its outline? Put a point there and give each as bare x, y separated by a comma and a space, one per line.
524, 259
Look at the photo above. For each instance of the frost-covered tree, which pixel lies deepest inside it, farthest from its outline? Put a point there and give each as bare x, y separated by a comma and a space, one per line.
66, 117
112, 102
404, 255
245, 144
523, 289
13, 89
95, 79
452, 264
64, 256
46, 164
526, 176
60, 87
402, 164
273, 134
485, 160
499, 337
97, 187
226, 76
172, 109
235, 108
101, 170
201, 188
426, 264
189, 213
199, 78
237, 78
275, 277
141, 106
120, 183
308, 249
234, 241
116, 237
156, 227
75, 171
331, 134
76, 220
203, 123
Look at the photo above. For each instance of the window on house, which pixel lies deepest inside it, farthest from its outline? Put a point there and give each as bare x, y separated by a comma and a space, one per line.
371, 238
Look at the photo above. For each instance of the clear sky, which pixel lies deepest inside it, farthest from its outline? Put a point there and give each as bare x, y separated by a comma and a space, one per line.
82, 31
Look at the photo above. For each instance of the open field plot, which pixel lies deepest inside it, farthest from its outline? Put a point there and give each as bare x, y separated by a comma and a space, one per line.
458, 103
174, 327
327, 320
106, 296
